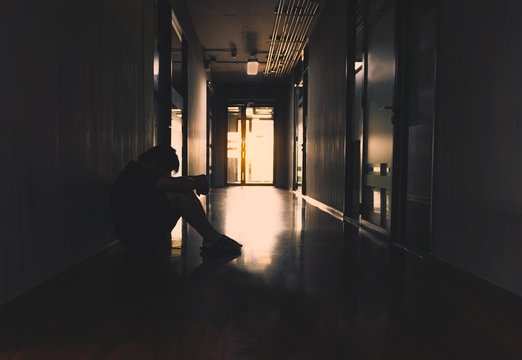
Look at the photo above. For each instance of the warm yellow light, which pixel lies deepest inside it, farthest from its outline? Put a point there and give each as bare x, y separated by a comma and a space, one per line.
259, 152
156, 64
264, 110
252, 66
261, 116
249, 111
255, 217
377, 201
358, 65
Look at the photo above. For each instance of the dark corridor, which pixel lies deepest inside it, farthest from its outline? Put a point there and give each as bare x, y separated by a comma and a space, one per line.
305, 287
389, 222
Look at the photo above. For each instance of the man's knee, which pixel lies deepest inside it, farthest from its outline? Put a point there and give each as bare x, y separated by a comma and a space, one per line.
178, 199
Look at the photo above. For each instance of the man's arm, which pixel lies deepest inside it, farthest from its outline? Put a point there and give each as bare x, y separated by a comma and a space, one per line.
184, 184
181, 184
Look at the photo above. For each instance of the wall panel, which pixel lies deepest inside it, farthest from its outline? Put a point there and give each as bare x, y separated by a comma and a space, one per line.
478, 140
196, 93
326, 126
77, 94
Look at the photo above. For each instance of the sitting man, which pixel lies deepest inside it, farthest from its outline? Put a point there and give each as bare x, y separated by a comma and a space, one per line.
147, 202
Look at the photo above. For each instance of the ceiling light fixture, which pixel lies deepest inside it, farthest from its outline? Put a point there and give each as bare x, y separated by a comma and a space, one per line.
252, 66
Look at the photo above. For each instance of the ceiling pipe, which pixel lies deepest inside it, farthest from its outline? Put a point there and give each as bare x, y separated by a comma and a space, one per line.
297, 39
292, 23
306, 31
289, 37
282, 38
302, 40
233, 62
291, 44
278, 38
273, 40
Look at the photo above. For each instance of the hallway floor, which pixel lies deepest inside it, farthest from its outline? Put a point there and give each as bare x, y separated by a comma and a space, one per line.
305, 287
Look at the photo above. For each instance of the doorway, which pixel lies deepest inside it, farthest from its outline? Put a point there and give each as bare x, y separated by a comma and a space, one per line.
178, 108
178, 90
371, 133
299, 139
250, 145
300, 114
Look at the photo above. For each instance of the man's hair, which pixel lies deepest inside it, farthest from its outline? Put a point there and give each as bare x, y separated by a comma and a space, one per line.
162, 156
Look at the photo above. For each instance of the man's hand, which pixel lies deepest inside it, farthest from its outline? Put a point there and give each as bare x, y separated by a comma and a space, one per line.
202, 186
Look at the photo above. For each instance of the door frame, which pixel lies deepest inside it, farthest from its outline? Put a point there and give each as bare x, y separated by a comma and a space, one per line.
300, 75
398, 178
243, 105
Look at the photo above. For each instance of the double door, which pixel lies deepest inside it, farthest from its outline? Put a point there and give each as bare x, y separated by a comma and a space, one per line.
250, 145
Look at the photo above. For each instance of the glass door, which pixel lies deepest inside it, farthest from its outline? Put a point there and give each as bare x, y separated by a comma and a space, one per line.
299, 138
250, 149
378, 126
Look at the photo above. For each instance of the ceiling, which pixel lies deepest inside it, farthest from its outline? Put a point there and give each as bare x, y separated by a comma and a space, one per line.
242, 24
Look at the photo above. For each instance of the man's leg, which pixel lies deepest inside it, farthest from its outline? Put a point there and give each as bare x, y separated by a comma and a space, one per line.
189, 206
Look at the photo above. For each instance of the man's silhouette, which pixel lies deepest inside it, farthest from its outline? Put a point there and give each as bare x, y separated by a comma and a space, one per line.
147, 202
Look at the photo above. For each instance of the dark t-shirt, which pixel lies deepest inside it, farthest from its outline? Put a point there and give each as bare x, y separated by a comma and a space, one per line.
142, 214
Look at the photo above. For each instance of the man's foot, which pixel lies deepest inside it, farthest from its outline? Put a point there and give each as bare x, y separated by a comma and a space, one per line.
222, 246
232, 242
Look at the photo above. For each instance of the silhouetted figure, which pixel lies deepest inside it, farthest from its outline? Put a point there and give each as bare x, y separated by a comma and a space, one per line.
147, 202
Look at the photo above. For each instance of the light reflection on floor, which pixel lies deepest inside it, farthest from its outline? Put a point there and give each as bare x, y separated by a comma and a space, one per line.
254, 217
269, 222
177, 233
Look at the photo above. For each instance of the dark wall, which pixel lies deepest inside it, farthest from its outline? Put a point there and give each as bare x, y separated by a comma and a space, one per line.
478, 135
196, 93
278, 95
77, 104
326, 126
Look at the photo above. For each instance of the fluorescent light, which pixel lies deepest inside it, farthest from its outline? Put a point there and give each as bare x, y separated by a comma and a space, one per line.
252, 66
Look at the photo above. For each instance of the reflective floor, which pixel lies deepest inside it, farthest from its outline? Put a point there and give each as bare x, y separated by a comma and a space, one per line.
306, 286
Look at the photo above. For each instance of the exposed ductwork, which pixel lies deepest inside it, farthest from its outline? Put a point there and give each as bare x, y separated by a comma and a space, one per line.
290, 35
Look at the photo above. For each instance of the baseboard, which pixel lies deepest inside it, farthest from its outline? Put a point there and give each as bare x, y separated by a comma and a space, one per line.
321, 206
480, 282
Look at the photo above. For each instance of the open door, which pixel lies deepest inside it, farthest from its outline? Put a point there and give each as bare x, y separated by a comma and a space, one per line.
300, 115
250, 150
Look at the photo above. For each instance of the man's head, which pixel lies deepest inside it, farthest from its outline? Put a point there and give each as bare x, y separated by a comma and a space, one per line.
162, 157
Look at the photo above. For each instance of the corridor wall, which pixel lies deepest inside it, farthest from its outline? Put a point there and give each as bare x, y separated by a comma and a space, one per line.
477, 204
77, 105
326, 126
196, 93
